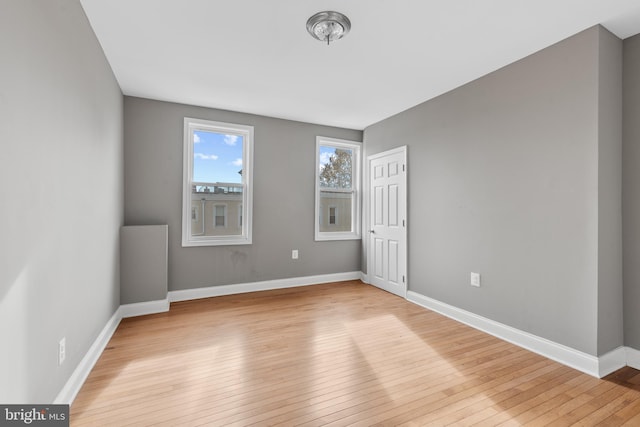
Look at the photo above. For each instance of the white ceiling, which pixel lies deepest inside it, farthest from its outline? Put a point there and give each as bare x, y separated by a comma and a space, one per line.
256, 56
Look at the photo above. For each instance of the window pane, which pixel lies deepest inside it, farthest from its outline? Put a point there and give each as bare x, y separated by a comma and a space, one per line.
336, 208
217, 177
217, 158
335, 167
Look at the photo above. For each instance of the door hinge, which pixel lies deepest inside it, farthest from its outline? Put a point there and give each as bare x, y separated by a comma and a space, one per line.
402, 168
402, 279
403, 223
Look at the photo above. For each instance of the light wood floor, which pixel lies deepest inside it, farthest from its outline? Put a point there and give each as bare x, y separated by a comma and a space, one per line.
337, 354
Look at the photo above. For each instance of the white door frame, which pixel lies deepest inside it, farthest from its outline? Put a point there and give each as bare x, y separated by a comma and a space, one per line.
366, 223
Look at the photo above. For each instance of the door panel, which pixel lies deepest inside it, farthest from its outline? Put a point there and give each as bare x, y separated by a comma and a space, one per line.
393, 261
387, 241
378, 249
393, 168
379, 206
393, 206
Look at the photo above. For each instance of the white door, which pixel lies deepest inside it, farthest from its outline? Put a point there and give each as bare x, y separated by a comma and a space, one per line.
387, 260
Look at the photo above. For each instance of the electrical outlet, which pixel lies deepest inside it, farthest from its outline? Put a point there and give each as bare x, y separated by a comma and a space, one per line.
475, 279
294, 254
62, 351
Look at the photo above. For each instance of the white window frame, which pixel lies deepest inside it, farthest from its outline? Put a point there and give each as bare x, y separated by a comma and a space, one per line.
356, 205
246, 132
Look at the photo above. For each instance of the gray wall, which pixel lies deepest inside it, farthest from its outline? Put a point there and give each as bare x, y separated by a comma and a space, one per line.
61, 187
631, 191
610, 298
503, 180
283, 205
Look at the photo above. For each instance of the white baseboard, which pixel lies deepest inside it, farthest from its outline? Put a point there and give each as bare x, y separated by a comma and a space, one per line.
82, 371
216, 291
144, 308
612, 361
554, 351
633, 357
364, 278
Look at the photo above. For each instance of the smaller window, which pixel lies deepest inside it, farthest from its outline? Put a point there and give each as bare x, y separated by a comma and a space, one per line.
220, 216
333, 215
338, 195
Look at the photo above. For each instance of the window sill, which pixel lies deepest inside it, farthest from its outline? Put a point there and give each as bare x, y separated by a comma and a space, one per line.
337, 236
216, 242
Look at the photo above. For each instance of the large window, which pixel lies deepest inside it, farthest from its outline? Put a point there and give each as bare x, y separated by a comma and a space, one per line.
217, 192
337, 189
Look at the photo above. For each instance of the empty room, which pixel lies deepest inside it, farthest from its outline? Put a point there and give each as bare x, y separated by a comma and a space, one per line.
320, 212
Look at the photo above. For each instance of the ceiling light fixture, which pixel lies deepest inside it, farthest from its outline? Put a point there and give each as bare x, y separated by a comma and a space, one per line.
328, 26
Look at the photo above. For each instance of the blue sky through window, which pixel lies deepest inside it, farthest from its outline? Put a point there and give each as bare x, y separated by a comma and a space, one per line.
217, 157
325, 154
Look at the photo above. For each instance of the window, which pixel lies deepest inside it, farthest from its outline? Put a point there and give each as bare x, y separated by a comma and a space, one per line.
220, 216
332, 215
337, 189
217, 182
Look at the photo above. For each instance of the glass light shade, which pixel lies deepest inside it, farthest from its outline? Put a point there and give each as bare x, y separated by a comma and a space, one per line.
328, 26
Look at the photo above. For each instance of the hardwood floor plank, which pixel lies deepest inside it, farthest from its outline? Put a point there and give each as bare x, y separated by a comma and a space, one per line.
333, 354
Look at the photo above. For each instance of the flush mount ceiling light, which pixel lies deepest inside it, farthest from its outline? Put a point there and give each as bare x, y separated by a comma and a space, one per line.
328, 26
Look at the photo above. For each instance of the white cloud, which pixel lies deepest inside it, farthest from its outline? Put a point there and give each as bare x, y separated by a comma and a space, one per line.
230, 139
205, 156
196, 138
325, 157
237, 162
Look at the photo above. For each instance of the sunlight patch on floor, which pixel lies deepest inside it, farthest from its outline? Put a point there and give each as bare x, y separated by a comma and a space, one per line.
383, 359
